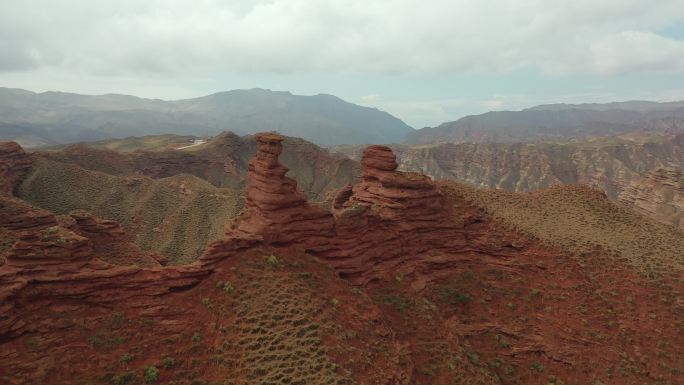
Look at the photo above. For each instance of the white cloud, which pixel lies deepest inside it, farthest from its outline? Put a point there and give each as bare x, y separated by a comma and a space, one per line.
631, 51
360, 36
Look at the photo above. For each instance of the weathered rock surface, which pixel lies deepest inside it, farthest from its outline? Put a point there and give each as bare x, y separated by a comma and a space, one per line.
377, 223
14, 163
275, 209
16, 215
660, 195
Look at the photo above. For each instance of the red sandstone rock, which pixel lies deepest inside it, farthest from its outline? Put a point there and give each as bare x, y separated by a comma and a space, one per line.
377, 224
51, 246
16, 215
14, 163
276, 211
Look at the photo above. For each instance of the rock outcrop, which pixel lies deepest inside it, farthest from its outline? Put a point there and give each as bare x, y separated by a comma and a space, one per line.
110, 240
275, 210
16, 215
14, 163
374, 226
390, 215
54, 246
659, 195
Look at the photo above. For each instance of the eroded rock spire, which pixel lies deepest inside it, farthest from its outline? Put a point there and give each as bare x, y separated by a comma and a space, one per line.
275, 210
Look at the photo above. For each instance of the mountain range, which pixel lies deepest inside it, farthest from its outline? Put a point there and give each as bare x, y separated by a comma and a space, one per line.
48, 118
557, 122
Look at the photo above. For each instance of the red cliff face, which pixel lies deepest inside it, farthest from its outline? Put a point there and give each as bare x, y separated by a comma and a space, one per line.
14, 163
375, 226
275, 210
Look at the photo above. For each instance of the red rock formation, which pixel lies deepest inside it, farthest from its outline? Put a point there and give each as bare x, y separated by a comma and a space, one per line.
276, 211
16, 215
51, 246
111, 242
14, 163
377, 224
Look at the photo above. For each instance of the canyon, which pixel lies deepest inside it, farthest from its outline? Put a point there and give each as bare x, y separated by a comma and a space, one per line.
635, 170
396, 279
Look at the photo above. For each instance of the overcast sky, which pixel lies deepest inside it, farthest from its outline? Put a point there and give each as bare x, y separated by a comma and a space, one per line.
425, 61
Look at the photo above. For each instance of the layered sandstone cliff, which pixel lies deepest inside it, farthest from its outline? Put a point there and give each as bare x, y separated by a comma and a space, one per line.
275, 210
374, 226
14, 163
659, 194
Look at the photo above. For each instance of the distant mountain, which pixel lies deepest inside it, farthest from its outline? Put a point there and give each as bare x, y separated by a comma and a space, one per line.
48, 118
557, 122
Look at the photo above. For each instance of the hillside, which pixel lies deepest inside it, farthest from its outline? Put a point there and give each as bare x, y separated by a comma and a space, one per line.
174, 202
399, 281
175, 216
557, 122
49, 118
221, 160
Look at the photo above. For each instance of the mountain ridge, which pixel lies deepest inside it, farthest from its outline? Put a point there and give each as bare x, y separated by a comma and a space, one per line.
48, 118
556, 122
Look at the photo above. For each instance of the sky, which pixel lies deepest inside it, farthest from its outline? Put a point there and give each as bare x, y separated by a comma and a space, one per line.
424, 61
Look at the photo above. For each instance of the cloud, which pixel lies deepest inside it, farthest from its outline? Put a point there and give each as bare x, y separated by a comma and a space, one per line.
632, 51
155, 37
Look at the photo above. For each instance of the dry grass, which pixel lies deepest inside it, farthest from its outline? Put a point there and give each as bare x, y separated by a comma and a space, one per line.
580, 219
278, 339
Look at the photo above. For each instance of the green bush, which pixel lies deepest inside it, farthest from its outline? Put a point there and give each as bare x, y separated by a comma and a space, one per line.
126, 358
196, 337
272, 261
128, 378
151, 374
168, 362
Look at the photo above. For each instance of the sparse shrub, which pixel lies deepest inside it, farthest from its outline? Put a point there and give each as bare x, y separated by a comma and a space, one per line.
196, 337
118, 319
272, 261
50, 231
451, 295
334, 301
168, 362
126, 358
474, 358
128, 378
228, 288
538, 367
206, 302
95, 340
151, 374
